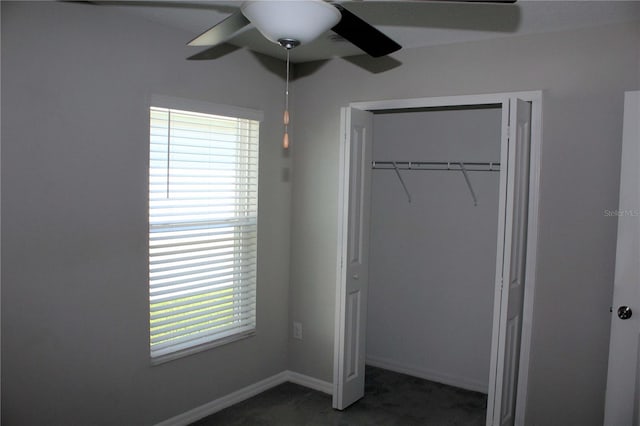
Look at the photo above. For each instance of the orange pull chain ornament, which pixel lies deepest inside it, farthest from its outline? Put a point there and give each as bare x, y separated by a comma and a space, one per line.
287, 44
285, 141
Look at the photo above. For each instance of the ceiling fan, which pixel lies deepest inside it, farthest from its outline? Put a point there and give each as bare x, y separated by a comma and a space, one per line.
295, 22
291, 23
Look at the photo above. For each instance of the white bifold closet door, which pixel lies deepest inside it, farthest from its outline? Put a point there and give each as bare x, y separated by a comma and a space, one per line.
510, 268
349, 383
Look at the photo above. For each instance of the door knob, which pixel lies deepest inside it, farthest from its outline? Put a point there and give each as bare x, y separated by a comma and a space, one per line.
624, 312
356, 276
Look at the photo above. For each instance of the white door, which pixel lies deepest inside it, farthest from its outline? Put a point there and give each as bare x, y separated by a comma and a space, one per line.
623, 382
353, 268
510, 269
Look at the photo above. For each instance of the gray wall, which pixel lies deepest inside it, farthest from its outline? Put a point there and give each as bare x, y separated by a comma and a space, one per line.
76, 81
432, 261
75, 85
583, 74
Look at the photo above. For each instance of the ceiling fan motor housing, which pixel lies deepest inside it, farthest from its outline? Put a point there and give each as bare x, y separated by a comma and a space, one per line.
288, 43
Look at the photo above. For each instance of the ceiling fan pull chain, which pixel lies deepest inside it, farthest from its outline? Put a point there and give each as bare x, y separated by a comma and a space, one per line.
285, 141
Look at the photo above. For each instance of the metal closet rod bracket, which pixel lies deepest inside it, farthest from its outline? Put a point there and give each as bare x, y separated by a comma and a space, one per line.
466, 178
395, 167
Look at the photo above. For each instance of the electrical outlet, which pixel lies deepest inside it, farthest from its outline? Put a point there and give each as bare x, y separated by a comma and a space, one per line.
297, 330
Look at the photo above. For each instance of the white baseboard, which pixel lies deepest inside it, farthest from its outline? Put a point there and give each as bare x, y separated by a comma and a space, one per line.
310, 382
434, 376
246, 393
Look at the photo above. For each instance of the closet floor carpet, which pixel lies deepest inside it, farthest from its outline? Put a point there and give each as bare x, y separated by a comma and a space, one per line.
391, 399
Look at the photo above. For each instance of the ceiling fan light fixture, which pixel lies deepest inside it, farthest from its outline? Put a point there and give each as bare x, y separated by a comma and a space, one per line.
300, 20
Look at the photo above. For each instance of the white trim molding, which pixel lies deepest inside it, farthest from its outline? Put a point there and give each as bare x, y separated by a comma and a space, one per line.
164, 101
310, 382
247, 392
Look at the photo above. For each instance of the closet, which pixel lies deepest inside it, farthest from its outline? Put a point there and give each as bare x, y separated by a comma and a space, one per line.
437, 244
432, 243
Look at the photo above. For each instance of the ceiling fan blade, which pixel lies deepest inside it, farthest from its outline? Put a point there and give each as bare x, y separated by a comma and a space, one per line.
363, 35
174, 4
222, 31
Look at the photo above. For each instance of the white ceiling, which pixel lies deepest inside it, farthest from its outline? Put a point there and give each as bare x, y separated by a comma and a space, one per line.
410, 23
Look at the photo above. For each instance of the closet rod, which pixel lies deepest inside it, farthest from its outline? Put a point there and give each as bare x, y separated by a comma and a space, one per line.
437, 165
460, 166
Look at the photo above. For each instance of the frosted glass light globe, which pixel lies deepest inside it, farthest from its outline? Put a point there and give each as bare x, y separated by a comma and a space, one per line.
300, 20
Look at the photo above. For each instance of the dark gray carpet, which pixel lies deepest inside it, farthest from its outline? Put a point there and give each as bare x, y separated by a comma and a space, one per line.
391, 399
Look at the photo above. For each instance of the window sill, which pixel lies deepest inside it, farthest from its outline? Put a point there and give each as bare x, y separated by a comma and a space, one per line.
200, 348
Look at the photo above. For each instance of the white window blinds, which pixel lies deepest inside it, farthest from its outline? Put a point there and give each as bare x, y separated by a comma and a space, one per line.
203, 208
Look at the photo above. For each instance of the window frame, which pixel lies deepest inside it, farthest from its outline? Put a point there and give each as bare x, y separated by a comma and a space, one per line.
201, 107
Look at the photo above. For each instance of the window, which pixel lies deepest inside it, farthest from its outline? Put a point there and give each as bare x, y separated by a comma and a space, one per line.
203, 209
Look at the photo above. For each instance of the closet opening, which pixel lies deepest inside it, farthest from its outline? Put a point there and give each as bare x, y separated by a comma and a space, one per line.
432, 242
438, 201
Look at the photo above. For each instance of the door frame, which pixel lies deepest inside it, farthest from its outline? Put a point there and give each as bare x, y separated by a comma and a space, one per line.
535, 98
